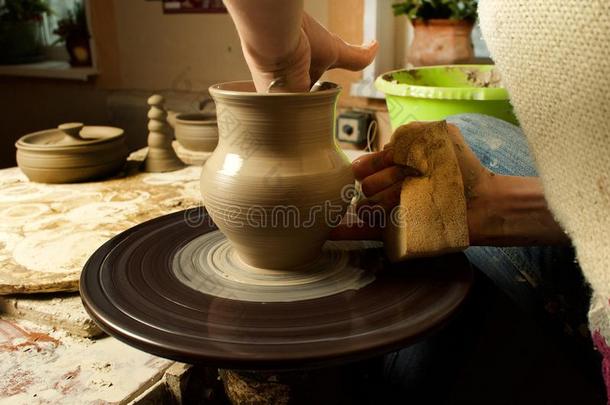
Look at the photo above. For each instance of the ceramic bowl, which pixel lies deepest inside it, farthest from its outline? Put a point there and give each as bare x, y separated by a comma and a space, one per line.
197, 131
71, 153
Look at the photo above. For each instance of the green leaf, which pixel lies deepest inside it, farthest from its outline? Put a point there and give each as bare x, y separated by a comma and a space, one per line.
429, 9
23, 10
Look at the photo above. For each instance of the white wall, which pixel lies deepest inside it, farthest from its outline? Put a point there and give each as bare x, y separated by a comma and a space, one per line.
186, 52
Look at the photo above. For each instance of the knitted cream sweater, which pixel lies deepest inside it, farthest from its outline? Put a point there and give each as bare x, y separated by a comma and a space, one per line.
554, 56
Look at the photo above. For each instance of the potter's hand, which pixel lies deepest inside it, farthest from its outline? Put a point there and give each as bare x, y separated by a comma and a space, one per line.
318, 51
501, 210
281, 41
382, 180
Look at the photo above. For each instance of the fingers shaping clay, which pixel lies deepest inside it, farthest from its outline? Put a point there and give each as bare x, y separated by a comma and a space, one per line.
431, 218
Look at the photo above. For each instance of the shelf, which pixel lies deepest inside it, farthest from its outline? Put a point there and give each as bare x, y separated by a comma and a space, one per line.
49, 69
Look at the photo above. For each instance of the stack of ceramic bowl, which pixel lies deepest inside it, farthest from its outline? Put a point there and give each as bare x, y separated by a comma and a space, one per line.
197, 131
71, 153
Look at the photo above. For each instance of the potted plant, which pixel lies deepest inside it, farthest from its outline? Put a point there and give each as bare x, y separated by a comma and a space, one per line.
20, 32
73, 31
442, 30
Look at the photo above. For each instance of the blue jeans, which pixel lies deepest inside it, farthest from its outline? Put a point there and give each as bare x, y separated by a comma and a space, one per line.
531, 276
542, 283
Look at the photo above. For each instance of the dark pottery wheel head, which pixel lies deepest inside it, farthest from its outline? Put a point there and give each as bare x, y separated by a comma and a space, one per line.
129, 288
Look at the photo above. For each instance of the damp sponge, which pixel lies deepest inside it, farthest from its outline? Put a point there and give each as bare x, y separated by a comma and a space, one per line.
431, 218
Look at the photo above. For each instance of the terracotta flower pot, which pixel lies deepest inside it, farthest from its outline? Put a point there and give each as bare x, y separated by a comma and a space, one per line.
277, 181
441, 42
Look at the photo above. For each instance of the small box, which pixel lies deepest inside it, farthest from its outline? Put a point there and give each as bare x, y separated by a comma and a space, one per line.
352, 127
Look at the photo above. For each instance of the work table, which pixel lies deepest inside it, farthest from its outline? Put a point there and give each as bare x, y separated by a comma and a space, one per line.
50, 350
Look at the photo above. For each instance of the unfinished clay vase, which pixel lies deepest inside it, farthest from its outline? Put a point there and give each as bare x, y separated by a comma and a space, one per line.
277, 182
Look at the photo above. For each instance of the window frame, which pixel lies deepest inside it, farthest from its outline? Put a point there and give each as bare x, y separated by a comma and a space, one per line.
56, 63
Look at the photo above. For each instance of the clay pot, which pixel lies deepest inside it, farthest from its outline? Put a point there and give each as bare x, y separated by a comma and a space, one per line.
196, 131
277, 182
71, 153
78, 48
441, 42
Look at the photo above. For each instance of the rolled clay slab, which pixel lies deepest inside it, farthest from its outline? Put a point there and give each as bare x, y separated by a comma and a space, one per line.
210, 264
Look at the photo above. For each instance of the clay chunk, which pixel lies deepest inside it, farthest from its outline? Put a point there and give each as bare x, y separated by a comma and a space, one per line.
431, 219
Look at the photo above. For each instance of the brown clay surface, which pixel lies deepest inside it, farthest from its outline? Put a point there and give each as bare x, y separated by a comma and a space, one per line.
129, 288
48, 231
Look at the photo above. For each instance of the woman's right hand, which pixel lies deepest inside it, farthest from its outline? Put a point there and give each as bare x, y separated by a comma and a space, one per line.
382, 180
501, 210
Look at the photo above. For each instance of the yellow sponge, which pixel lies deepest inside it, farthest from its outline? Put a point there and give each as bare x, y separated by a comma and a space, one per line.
431, 219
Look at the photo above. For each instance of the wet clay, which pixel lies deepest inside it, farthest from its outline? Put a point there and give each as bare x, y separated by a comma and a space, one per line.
277, 181
210, 264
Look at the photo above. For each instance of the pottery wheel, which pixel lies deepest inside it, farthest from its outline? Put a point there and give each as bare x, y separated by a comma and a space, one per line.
158, 287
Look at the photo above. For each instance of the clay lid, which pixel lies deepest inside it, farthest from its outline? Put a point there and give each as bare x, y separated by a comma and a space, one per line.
68, 136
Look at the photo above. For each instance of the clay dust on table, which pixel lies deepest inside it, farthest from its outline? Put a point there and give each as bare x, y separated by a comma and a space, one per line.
39, 366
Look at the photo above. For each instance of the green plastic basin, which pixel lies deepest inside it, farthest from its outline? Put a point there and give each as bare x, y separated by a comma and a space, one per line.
435, 92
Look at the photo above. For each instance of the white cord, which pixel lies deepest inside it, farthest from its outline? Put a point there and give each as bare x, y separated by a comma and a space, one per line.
371, 134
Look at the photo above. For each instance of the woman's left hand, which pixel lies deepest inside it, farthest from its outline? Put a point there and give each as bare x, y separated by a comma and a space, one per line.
381, 181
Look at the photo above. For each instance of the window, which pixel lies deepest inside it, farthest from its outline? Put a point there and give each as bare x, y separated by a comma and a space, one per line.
480, 47
57, 64
60, 9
